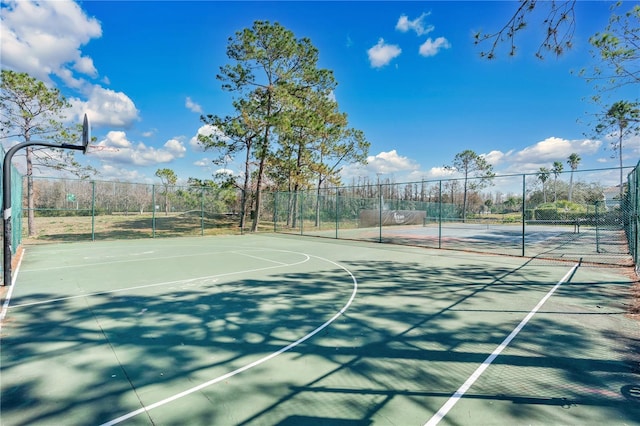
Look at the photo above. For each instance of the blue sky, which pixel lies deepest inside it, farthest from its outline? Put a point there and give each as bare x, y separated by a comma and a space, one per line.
408, 75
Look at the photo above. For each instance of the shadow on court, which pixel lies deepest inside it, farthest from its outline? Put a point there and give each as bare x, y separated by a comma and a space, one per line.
417, 329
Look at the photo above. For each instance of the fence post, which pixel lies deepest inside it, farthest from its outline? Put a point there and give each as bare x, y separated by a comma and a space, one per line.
597, 227
275, 211
524, 212
153, 210
93, 210
440, 214
634, 217
337, 211
379, 212
202, 212
301, 210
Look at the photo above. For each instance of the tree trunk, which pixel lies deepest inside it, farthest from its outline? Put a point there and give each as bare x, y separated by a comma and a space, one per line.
571, 185
464, 200
245, 189
263, 157
254, 225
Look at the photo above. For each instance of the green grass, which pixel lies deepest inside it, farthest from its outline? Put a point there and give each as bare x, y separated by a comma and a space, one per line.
111, 227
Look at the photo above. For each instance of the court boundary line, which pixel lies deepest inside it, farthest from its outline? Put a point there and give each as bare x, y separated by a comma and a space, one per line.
146, 409
5, 305
111, 262
101, 293
453, 400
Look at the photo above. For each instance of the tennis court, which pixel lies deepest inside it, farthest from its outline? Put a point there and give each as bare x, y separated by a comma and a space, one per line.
287, 330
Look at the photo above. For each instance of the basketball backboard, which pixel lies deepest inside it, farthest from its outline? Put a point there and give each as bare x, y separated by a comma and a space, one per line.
86, 134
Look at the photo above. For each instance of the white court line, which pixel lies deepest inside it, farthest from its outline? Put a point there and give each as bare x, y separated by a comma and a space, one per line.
113, 262
453, 400
166, 283
5, 305
259, 258
248, 366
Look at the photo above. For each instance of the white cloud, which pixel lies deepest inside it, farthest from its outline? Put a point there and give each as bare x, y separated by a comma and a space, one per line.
192, 106
440, 172
85, 66
381, 54
206, 130
434, 173
555, 149
390, 162
106, 107
388, 165
223, 171
417, 25
175, 147
432, 47
496, 157
44, 37
111, 172
116, 148
203, 162
116, 139
541, 154
630, 150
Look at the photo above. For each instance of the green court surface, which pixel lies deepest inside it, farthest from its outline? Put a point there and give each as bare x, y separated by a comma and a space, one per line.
285, 330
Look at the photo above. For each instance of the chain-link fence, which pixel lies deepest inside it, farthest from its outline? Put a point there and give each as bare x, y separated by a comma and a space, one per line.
76, 210
632, 216
583, 215
577, 215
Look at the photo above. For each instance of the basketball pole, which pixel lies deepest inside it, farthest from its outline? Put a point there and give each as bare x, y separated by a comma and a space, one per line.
6, 191
6, 200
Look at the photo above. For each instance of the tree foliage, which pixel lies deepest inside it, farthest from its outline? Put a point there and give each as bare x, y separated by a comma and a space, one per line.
269, 67
618, 49
476, 171
556, 170
573, 161
168, 178
230, 136
619, 121
285, 121
28, 110
543, 176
